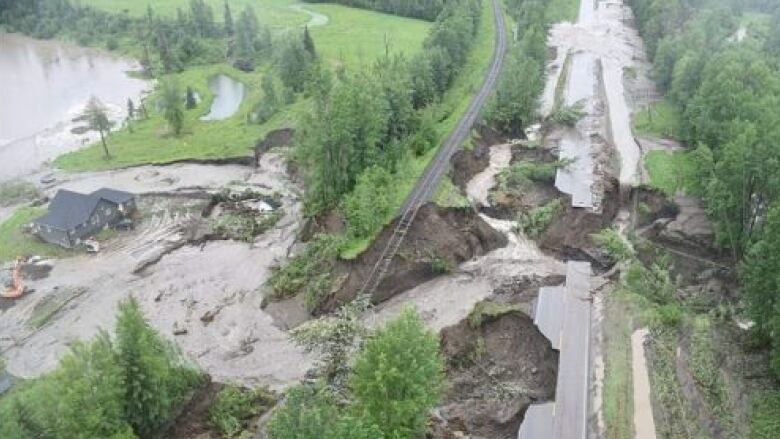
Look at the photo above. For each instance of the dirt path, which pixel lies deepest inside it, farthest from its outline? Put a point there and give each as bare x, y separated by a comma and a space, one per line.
316, 19
644, 424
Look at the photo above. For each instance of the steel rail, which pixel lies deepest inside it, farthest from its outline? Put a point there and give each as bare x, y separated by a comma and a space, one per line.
434, 172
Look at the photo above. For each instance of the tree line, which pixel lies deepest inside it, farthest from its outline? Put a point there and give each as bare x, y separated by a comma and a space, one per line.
515, 103
164, 45
728, 93
422, 9
122, 387
364, 124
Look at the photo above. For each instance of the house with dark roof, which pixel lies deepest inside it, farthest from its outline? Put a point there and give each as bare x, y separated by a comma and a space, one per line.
74, 217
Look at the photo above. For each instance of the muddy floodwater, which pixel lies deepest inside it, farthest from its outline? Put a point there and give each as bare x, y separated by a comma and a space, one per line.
45, 84
228, 94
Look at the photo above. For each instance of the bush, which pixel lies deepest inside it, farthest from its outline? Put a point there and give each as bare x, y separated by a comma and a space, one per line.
308, 413
398, 377
568, 115
613, 243
17, 191
311, 272
536, 221
654, 283
235, 406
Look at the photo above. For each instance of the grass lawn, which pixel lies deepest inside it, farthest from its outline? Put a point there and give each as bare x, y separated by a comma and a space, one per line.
353, 36
661, 119
14, 243
356, 37
671, 172
151, 141
450, 110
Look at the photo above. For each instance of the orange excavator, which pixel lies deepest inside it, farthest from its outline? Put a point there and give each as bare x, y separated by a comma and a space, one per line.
17, 287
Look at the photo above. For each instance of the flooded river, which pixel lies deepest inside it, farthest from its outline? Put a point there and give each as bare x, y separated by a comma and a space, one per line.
45, 84
228, 94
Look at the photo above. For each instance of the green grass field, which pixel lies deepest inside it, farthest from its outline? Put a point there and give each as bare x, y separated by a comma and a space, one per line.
671, 172
14, 243
352, 36
661, 119
357, 37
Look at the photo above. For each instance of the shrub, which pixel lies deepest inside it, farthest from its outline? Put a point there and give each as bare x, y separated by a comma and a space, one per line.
17, 191
308, 412
568, 115
235, 406
613, 243
311, 272
536, 221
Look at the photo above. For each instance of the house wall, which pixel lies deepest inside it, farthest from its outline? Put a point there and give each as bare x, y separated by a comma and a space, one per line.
54, 236
105, 214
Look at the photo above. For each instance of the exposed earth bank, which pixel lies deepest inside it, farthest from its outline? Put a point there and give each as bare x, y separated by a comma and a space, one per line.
438, 241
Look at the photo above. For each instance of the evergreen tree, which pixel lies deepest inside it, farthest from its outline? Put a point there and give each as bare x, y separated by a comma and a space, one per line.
308, 43
228, 19
154, 377
173, 110
130, 109
190, 101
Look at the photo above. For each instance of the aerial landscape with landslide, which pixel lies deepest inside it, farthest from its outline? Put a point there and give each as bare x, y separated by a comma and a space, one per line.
468, 219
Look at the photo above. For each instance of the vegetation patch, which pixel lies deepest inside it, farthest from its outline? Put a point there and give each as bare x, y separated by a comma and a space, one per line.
235, 406
562, 10
674, 415
536, 221
487, 311
48, 307
618, 375
612, 242
15, 242
764, 419
708, 376
17, 191
672, 172
449, 195
660, 120
310, 272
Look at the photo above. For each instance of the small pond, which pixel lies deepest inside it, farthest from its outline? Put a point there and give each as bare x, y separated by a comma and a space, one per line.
228, 94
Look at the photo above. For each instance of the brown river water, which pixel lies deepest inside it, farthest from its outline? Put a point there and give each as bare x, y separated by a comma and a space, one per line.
43, 86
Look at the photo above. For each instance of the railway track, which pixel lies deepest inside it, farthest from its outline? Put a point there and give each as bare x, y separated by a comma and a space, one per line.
429, 182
